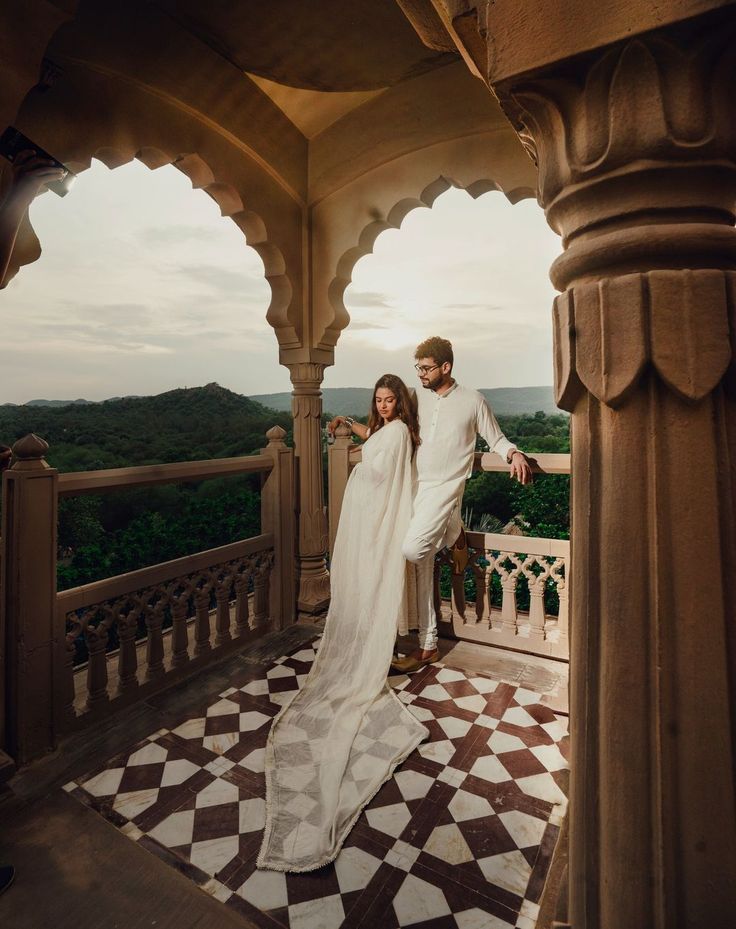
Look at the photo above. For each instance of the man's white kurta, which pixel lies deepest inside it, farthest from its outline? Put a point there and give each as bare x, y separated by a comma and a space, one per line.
448, 425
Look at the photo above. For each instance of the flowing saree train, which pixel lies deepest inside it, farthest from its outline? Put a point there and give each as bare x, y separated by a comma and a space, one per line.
339, 739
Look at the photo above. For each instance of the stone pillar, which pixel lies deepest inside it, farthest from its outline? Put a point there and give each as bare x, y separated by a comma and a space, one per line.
313, 592
28, 603
636, 148
277, 516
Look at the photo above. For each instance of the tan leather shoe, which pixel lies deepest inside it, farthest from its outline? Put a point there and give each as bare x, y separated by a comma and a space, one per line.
409, 663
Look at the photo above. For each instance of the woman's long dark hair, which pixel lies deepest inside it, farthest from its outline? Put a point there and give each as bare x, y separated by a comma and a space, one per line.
406, 408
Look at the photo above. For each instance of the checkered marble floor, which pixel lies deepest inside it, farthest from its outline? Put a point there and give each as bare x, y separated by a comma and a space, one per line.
460, 838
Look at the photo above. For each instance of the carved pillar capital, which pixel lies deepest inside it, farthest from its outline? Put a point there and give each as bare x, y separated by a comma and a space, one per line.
306, 375
636, 150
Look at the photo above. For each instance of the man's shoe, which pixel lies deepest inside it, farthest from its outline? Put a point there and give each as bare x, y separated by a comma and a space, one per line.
409, 663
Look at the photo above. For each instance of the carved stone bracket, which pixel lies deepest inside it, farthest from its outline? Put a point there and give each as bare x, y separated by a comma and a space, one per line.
636, 152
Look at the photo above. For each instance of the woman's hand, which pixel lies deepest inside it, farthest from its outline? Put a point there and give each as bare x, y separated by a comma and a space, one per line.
334, 423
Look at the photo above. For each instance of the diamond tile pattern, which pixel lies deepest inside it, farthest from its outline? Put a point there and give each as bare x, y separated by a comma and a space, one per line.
461, 837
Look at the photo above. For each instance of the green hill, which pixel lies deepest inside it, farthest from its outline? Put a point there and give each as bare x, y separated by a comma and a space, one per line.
180, 425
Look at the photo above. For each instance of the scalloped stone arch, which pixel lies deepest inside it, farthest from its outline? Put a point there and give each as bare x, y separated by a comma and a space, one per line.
395, 217
231, 206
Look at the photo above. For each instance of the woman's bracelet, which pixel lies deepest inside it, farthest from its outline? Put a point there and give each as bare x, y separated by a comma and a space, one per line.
349, 420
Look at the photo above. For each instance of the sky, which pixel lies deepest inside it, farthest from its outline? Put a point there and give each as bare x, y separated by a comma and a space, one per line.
143, 287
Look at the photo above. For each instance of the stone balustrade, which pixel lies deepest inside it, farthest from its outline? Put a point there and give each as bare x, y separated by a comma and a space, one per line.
500, 568
142, 630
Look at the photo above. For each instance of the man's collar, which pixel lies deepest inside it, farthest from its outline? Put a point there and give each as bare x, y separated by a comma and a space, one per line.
447, 392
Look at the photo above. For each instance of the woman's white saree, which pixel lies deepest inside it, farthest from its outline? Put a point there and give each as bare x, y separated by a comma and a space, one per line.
339, 739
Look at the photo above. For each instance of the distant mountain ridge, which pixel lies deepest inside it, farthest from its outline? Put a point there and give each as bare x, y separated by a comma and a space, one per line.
354, 401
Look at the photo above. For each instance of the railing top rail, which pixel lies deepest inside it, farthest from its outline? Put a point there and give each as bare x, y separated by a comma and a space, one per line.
93, 482
542, 463
111, 587
519, 544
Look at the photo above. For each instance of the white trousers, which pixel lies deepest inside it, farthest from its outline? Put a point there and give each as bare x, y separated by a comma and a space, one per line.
435, 523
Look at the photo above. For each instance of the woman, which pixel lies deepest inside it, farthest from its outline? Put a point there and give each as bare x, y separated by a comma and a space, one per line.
339, 739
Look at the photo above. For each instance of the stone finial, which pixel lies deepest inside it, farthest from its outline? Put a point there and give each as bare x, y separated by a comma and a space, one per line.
29, 452
342, 430
276, 435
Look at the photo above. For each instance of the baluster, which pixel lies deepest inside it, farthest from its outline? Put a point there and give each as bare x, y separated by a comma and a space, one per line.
536, 596
457, 586
179, 629
70, 652
127, 624
202, 630
155, 644
494, 617
97, 665
260, 598
509, 614
241, 601
560, 577
222, 618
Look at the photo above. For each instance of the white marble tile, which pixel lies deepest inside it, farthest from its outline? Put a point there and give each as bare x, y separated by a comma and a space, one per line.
542, 786
453, 727
448, 844
322, 913
555, 730
437, 751
412, 784
417, 901
305, 654
212, 855
526, 697
484, 685
479, 919
488, 722
216, 793
355, 869
525, 830
529, 909
421, 713
509, 871
177, 829
252, 814
132, 804
176, 772
519, 717
256, 688
223, 708
475, 703
452, 776
402, 855
72, 785
229, 692
490, 769
449, 675
465, 805
435, 692
221, 742
131, 831
104, 784
266, 890
253, 720
280, 671
192, 728
550, 756
391, 820
501, 742
217, 890
255, 761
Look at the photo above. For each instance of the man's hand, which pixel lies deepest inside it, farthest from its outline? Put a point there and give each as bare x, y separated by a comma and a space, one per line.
30, 174
520, 468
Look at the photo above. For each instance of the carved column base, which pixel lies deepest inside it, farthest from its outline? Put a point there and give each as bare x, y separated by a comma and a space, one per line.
314, 585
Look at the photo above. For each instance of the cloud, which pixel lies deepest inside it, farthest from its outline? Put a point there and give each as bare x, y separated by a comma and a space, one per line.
173, 235
364, 298
224, 280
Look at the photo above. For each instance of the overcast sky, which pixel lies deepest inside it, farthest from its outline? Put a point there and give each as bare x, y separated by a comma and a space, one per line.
142, 287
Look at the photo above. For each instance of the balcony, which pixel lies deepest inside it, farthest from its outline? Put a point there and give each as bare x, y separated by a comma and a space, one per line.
140, 770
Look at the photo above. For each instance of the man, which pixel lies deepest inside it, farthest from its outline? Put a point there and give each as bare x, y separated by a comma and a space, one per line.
450, 417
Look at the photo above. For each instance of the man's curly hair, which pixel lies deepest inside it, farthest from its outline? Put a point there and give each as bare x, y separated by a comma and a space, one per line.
440, 350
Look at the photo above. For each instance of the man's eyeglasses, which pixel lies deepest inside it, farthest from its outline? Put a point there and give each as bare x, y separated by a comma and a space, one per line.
425, 369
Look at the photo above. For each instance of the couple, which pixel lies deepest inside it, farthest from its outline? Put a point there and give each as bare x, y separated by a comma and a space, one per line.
334, 745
